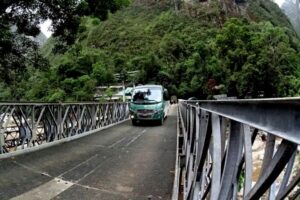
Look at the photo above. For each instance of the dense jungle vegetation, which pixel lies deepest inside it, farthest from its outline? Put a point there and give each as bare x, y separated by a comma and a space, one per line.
200, 50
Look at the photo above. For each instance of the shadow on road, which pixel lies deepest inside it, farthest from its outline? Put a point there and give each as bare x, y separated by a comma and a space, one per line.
149, 123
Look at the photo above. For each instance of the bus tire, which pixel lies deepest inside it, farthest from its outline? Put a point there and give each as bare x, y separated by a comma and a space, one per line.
134, 122
161, 121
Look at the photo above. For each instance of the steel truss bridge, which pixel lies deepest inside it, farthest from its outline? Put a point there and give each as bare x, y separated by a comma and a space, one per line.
215, 143
27, 125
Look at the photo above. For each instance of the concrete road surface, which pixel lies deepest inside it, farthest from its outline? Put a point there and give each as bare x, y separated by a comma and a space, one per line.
123, 162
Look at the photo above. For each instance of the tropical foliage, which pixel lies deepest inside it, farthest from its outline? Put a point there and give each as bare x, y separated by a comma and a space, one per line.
191, 56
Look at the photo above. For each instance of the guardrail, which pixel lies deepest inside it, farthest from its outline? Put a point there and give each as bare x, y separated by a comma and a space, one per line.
239, 149
28, 126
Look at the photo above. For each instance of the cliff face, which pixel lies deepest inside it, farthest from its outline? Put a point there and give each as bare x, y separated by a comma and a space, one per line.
255, 10
292, 10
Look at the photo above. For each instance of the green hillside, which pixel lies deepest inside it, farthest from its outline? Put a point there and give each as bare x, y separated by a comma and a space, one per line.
269, 11
156, 42
202, 55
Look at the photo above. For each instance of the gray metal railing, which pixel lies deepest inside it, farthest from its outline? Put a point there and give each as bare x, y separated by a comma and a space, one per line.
239, 149
26, 126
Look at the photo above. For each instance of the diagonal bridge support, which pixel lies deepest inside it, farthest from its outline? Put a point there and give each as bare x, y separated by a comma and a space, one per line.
26, 127
217, 144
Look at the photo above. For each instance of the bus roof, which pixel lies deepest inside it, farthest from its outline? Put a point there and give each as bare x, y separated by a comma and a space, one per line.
149, 86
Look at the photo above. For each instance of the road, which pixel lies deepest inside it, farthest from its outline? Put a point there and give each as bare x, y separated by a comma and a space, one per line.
123, 162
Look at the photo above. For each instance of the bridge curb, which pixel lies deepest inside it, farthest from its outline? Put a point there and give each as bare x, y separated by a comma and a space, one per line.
175, 193
58, 142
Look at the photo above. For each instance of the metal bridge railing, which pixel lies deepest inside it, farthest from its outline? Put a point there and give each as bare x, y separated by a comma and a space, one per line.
217, 141
31, 125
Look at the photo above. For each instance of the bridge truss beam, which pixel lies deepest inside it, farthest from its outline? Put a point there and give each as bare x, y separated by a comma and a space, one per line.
216, 144
31, 125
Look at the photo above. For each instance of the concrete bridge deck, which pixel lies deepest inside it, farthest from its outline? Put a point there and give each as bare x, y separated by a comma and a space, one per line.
122, 162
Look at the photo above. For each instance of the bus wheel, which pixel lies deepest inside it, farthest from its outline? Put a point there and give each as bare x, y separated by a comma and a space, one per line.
161, 121
134, 122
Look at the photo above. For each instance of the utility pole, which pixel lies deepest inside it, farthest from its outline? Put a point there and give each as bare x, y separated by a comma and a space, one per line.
124, 91
123, 76
177, 5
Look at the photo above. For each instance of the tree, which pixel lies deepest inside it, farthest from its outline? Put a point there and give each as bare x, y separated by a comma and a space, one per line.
256, 56
26, 16
103, 75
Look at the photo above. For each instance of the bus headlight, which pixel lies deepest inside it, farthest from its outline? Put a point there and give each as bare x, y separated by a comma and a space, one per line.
132, 113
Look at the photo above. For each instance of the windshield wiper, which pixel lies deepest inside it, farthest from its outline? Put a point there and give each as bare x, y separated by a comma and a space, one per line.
153, 100
145, 101
138, 102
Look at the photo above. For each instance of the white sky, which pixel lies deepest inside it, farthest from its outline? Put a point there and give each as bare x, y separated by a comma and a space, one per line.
46, 28
279, 2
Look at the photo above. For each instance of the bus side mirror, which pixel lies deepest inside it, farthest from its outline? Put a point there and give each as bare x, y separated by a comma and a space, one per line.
166, 95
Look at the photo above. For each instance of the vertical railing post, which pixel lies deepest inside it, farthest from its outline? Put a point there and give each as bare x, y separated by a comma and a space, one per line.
232, 161
248, 159
2, 139
59, 122
93, 115
217, 158
33, 127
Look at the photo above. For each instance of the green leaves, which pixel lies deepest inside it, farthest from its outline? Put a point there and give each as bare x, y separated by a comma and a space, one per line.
257, 55
101, 8
25, 17
5, 92
191, 57
102, 74
56, 95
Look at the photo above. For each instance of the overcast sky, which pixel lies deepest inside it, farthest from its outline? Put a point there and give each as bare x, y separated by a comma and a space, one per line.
280, 2
45, 28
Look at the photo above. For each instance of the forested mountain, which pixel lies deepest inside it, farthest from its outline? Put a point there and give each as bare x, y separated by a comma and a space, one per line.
193, 48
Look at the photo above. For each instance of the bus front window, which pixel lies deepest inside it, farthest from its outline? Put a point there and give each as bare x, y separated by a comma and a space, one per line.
147, 95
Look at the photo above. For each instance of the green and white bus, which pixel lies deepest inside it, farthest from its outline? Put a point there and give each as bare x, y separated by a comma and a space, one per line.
149, 103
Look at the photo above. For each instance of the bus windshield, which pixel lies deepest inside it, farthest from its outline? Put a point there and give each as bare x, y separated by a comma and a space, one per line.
147, 95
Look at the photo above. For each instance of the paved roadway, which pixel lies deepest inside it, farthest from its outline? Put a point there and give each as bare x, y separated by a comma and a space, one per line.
123, 162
